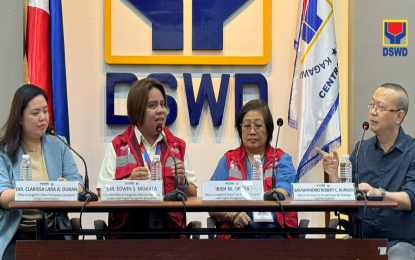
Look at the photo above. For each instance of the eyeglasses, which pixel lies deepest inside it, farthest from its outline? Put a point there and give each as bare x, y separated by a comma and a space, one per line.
247, 126
380, 109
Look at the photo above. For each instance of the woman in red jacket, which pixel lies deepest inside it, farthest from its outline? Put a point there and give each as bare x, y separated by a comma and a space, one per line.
255, 127
129, 156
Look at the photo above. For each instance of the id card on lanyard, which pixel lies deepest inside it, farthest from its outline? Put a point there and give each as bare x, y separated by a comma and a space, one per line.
145, 154
263, 217
155, 218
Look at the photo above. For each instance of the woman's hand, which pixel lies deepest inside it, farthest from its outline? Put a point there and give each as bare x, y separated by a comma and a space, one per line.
6, 197
139, 173
61, 179
239, 219
180, 172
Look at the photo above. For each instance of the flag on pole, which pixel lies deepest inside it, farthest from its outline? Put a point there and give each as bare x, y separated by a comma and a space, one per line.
314, 101
45, 53
37, 48
60, 99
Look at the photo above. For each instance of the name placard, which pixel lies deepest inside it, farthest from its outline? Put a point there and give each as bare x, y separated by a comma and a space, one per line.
132, 190
232, 190
323, 191
46, 191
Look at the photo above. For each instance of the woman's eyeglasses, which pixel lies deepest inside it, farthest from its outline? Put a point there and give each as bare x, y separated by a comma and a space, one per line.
247, 126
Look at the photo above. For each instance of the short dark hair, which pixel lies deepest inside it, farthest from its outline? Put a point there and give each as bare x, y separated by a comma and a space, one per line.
402, 102
11, 132
257, 105
138, 97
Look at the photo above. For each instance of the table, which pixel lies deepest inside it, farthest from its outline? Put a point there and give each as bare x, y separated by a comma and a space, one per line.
196, 204
206, 248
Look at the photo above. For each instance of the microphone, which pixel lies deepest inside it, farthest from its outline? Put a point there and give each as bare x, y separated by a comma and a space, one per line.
274, 194
86, 194
360, 195
176, 194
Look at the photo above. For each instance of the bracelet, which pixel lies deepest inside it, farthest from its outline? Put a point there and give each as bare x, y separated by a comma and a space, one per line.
383, 192
228, 217
186, 184
231, 216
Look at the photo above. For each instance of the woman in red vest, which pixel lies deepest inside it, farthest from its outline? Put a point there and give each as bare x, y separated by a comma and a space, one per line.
255, 127
129, 156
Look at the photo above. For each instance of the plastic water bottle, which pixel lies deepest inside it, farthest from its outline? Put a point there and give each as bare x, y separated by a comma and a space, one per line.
257, 169
345, 170
26, 169
155, 171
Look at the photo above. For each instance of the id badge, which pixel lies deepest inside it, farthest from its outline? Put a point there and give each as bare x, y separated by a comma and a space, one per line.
263, 217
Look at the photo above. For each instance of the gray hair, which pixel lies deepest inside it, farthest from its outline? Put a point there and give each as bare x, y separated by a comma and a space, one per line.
402, 102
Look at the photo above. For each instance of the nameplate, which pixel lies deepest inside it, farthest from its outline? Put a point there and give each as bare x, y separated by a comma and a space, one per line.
132, 190
232, 190
46, 191
323, 191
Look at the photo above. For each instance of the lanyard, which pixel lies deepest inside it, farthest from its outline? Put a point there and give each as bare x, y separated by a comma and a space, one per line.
146, 156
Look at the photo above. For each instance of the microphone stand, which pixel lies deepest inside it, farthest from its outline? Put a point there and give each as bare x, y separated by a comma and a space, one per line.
360, 195
274, 194
86, 194
176, 194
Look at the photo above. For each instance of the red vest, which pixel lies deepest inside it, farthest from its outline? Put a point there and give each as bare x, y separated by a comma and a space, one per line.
129, 157
236, 161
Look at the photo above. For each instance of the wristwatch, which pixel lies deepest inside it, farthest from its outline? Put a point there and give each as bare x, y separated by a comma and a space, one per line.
186, 184
383, 191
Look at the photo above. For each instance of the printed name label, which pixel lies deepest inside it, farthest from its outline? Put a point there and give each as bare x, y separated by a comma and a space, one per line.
46, 191
323, 191
132, 190
232, 190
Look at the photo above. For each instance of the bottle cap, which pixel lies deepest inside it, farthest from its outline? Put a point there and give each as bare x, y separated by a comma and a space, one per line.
257, 156
156, 156
345, 156
25, 156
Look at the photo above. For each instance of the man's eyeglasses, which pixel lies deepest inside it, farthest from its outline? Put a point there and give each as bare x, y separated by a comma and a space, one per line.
247, 126
380, 109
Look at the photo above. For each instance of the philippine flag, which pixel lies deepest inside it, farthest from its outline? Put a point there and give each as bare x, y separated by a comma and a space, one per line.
314, 101
45, 54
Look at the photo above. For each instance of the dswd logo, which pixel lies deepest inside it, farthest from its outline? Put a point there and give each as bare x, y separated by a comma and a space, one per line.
205, 32
395, 34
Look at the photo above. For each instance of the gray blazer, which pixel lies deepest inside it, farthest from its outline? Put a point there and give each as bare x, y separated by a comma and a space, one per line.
59, 163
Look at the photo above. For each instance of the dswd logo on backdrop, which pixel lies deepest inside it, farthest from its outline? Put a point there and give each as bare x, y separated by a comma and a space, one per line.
395, 34
206, 32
